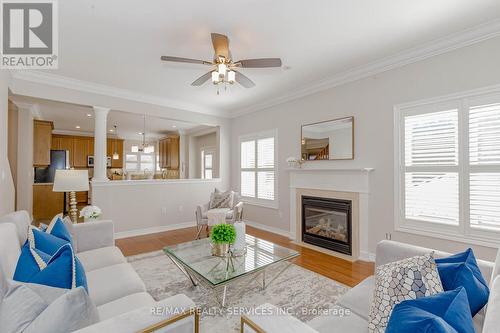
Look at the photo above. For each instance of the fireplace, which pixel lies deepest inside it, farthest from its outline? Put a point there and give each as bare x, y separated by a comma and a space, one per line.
327, 223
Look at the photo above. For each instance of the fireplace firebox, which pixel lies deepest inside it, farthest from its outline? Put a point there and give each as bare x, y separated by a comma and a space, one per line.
327, 223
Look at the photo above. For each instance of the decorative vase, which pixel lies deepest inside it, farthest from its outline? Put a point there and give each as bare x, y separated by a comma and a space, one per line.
220, 249
240, 245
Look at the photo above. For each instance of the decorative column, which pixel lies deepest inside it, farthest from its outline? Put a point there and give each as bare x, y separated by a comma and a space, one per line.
182, 154
100, 134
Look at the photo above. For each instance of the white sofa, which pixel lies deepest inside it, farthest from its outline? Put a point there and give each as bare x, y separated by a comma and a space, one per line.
115, 288
270, 319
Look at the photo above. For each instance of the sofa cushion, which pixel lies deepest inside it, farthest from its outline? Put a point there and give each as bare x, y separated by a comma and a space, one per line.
492, 319
9, 248
141, 318
271, 319
445, 312
102, 257
461, 270
112, 282
397, 281
351, 323
69, 312
22, 221
359, 298
124, 304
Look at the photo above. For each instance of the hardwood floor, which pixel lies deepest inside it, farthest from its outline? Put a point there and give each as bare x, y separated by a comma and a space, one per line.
337, 269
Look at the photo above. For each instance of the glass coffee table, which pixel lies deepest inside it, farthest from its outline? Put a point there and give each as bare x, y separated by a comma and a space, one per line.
195, 260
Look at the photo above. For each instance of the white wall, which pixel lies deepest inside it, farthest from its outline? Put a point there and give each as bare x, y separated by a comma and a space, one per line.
7, 192
25, 171
371, 102
138, 207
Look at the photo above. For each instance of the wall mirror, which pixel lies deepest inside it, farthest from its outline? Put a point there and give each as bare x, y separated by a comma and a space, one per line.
328, 140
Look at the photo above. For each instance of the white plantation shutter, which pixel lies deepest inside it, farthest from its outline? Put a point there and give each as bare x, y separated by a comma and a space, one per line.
258, 173
431, 156
484, 159
449, 168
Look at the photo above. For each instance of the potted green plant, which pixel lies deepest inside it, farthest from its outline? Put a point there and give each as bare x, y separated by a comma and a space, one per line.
222, 235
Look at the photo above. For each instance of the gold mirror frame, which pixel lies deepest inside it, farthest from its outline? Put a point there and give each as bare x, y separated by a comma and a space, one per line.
327, 121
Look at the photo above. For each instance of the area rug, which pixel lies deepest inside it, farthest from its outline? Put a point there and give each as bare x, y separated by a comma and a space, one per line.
299, 291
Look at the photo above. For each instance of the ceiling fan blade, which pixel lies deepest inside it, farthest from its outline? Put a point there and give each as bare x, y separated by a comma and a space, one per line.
186, 60
202, 79
221, 45
244, 80
259, 63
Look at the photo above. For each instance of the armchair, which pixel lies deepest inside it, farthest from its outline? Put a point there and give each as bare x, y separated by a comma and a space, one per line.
233, 215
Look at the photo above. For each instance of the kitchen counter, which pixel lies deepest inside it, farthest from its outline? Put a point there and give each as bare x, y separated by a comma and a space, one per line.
42, 184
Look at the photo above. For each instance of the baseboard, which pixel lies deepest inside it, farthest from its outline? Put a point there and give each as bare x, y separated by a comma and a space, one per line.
153, 230
367, 256
264, 227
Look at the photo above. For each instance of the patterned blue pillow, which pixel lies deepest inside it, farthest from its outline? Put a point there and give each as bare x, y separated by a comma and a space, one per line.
40, 263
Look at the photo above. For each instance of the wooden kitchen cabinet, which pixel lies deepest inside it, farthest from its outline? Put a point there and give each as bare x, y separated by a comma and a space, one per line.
42, 142
46, 203
81, 150
168, 149
115, 145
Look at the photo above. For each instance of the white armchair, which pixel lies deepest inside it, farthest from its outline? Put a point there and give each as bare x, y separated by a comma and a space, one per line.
233, 215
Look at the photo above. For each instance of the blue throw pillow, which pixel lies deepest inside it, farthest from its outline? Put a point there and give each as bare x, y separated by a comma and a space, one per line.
446, 312
461, 270
62, 269
44, 242
58, 229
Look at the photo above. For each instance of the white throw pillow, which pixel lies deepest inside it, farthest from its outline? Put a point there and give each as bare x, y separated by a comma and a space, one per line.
221, 200
398, 281
70, 312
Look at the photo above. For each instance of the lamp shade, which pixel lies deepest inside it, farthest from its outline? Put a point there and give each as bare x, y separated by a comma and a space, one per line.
71, 180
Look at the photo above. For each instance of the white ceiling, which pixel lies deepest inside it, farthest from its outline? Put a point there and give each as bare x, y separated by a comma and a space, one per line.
67, 117
119, 42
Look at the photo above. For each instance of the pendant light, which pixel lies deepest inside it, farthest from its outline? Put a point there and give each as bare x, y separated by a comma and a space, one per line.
116, 156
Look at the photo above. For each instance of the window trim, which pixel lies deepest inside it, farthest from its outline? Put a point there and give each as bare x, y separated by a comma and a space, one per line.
464, 232
203, 152
273, 204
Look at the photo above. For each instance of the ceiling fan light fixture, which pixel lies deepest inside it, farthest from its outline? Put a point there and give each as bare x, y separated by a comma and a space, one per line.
231, 77
222, 68
215, 77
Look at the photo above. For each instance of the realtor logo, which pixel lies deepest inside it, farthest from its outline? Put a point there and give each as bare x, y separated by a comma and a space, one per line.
29, 34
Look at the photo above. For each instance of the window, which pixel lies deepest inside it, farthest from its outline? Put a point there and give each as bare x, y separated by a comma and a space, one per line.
207, 160
258, 168
136, 161
448, 162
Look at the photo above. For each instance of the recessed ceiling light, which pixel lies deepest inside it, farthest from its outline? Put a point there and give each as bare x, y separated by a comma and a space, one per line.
174, 126
140, 133
89, 115
111, 130
77, 127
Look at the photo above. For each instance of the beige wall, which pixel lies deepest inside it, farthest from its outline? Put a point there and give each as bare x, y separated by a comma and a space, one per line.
7, 192
371, 102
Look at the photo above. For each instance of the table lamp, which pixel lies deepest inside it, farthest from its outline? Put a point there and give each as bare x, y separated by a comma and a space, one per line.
71, 181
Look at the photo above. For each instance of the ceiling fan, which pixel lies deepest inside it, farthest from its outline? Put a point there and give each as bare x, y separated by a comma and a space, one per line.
224, 69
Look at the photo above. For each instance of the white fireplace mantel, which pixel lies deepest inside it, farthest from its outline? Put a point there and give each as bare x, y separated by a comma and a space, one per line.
326, 178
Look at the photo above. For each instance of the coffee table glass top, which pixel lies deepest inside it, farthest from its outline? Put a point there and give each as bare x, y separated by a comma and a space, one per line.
197, 257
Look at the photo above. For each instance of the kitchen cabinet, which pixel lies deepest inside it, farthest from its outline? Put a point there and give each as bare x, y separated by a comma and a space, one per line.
42, 142
46, 203
81, 150
115, 145
168, 149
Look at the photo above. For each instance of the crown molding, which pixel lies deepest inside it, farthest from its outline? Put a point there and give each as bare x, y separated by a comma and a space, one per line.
59, 81
424, 51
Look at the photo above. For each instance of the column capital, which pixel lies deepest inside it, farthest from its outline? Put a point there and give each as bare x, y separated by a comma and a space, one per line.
101, 109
